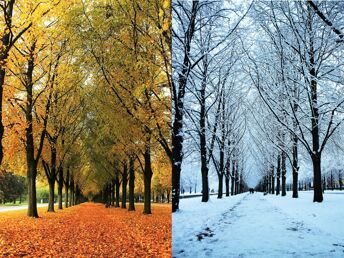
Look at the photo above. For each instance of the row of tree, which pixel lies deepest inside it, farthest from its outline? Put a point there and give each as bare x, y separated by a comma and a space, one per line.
42, 98
260, 83
208, 114
331, 180
84, 92
295, 69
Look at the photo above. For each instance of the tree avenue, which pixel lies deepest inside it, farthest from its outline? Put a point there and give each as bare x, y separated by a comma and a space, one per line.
257, 93
85, 97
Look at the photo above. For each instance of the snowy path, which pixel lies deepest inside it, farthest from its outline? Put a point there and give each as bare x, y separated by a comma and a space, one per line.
252, 226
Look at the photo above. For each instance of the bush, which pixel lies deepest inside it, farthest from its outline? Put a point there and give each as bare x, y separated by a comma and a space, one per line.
11, 186
43, 194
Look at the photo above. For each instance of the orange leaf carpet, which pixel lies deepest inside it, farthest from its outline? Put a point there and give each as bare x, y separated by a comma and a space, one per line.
87, 230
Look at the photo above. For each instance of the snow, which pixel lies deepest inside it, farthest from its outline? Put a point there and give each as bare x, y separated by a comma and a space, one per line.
254, 225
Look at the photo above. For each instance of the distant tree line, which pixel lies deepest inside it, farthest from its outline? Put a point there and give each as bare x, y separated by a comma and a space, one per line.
12, 187
331, 180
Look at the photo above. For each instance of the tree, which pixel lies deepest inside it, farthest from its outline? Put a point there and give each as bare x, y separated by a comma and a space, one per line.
178, 90
8, 38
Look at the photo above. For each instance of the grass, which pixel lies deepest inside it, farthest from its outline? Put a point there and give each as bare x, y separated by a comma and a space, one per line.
12, 204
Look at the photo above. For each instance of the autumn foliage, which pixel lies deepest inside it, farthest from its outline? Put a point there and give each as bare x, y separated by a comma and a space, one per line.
87, 230
85, 99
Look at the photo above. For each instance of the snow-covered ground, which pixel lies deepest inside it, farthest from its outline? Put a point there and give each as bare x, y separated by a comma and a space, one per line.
254, 225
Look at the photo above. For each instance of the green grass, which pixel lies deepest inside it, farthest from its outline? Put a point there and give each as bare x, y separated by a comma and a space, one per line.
12, 204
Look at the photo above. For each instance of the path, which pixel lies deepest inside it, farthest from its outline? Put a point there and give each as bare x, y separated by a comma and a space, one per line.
254, 227
87, 230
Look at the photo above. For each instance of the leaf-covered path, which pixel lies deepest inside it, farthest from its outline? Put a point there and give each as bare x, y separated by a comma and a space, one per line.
87, 230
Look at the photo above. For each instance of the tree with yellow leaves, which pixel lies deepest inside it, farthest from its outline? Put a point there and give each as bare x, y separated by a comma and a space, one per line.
11, 32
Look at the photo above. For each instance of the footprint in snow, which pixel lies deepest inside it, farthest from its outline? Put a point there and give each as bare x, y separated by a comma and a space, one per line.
207, 233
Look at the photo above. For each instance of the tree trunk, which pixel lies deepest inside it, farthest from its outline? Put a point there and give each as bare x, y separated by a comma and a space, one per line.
76, 198
205, 183
278, 174
236, 178
220, 189
227, 185
203, 146
233, 177
105, 194
131, 184
66, 196
222, 148
60, 188
295, 167
50, 173
2, 129
71, 191
269, 183
332, 181
318, 194
112, 203
32, 201
70, 196
168, 196
273, 180
340, 180
51, 196
232, 185
316, 155
124, 185
177, 143
74, 194
283, 171
118, 185
147, 178
30, 147
227, 175
324, 184
295, 162
241, 185
67, 188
